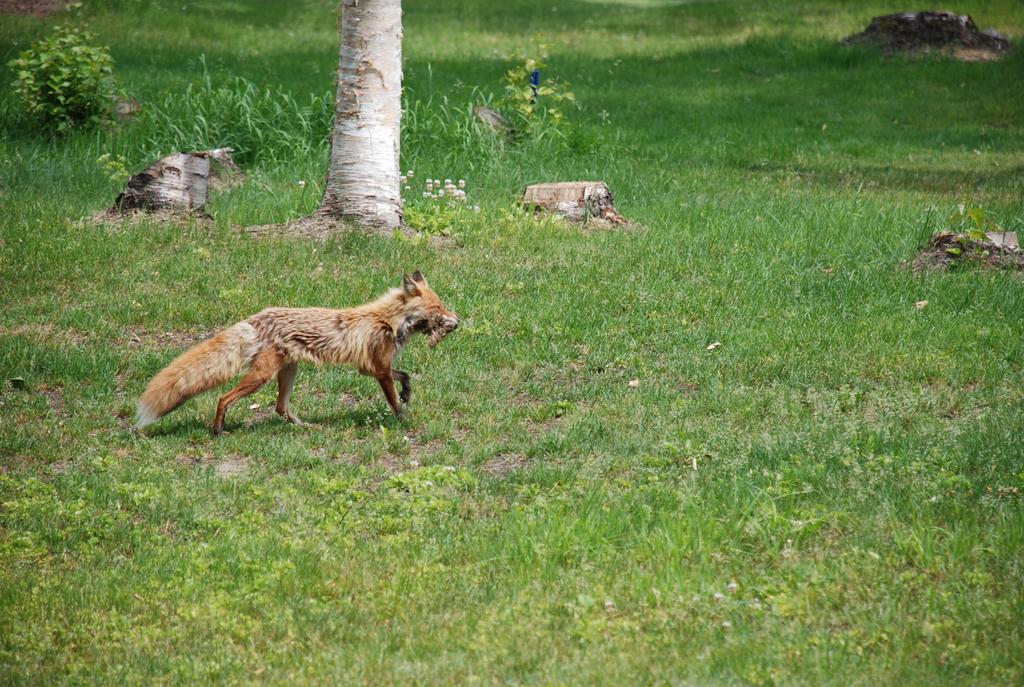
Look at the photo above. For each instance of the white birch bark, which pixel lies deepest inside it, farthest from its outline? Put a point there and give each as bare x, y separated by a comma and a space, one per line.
363, 180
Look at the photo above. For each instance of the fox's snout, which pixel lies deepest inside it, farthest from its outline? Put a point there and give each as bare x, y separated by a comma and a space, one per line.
452, 321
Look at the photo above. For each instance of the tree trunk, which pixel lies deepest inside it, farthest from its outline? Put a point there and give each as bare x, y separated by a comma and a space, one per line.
363, 180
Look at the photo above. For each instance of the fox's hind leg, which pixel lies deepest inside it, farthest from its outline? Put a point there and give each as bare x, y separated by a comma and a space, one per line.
285, 384
264, 366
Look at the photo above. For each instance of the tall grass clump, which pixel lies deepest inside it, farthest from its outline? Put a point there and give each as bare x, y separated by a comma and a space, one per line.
263, 125
443, 135
270, 126
448, 131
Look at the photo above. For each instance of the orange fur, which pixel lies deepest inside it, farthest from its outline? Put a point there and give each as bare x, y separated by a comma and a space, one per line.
273, 341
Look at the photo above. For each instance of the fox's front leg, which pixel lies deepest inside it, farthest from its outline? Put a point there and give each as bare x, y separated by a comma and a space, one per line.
403, 379
387, 384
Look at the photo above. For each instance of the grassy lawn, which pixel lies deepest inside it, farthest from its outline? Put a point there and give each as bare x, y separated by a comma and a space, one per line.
582, 492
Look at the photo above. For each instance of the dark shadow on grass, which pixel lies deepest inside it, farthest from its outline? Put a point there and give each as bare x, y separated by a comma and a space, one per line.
887, 177
184, 426
271, 423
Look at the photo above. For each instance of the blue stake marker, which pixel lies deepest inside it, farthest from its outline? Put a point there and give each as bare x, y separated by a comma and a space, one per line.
534, 82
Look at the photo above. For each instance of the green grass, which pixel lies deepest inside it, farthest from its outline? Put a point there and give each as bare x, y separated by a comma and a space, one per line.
535, 519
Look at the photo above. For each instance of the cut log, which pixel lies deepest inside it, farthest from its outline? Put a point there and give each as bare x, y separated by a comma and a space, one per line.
586, 202
179, 182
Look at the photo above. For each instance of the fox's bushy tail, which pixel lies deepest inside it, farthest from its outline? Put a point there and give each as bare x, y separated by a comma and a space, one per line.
200, 368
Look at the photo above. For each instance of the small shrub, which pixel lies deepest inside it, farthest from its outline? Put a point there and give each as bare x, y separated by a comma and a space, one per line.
114, 167
534, 107
63, 81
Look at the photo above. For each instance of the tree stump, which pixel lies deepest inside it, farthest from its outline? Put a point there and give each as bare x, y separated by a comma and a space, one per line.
179, 182
918, 31
585, 202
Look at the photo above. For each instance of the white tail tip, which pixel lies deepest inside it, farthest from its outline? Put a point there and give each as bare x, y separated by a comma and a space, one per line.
144, 415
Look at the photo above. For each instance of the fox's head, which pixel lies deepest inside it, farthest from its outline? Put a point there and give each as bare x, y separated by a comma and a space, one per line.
427, 312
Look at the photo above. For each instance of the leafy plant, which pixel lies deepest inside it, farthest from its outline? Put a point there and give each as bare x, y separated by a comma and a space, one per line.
63, 81
531, 98
115, 167
975, 222
438, 208
970, 224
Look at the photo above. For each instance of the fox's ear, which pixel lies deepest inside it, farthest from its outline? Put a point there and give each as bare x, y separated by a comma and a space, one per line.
409, 286
417, 276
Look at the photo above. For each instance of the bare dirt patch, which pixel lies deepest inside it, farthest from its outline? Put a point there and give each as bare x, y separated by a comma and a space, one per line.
523, 399
321, 228
535, 428
54, 397
419, 448
388, 463
348, 398
232, 465
316, 226
33, 8
126, 220
687, 388
45, 333
16, 461
504, 463
947, 250
174, 338
258, 416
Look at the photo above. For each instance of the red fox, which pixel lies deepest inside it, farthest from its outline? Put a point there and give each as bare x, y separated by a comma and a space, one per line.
274, 341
